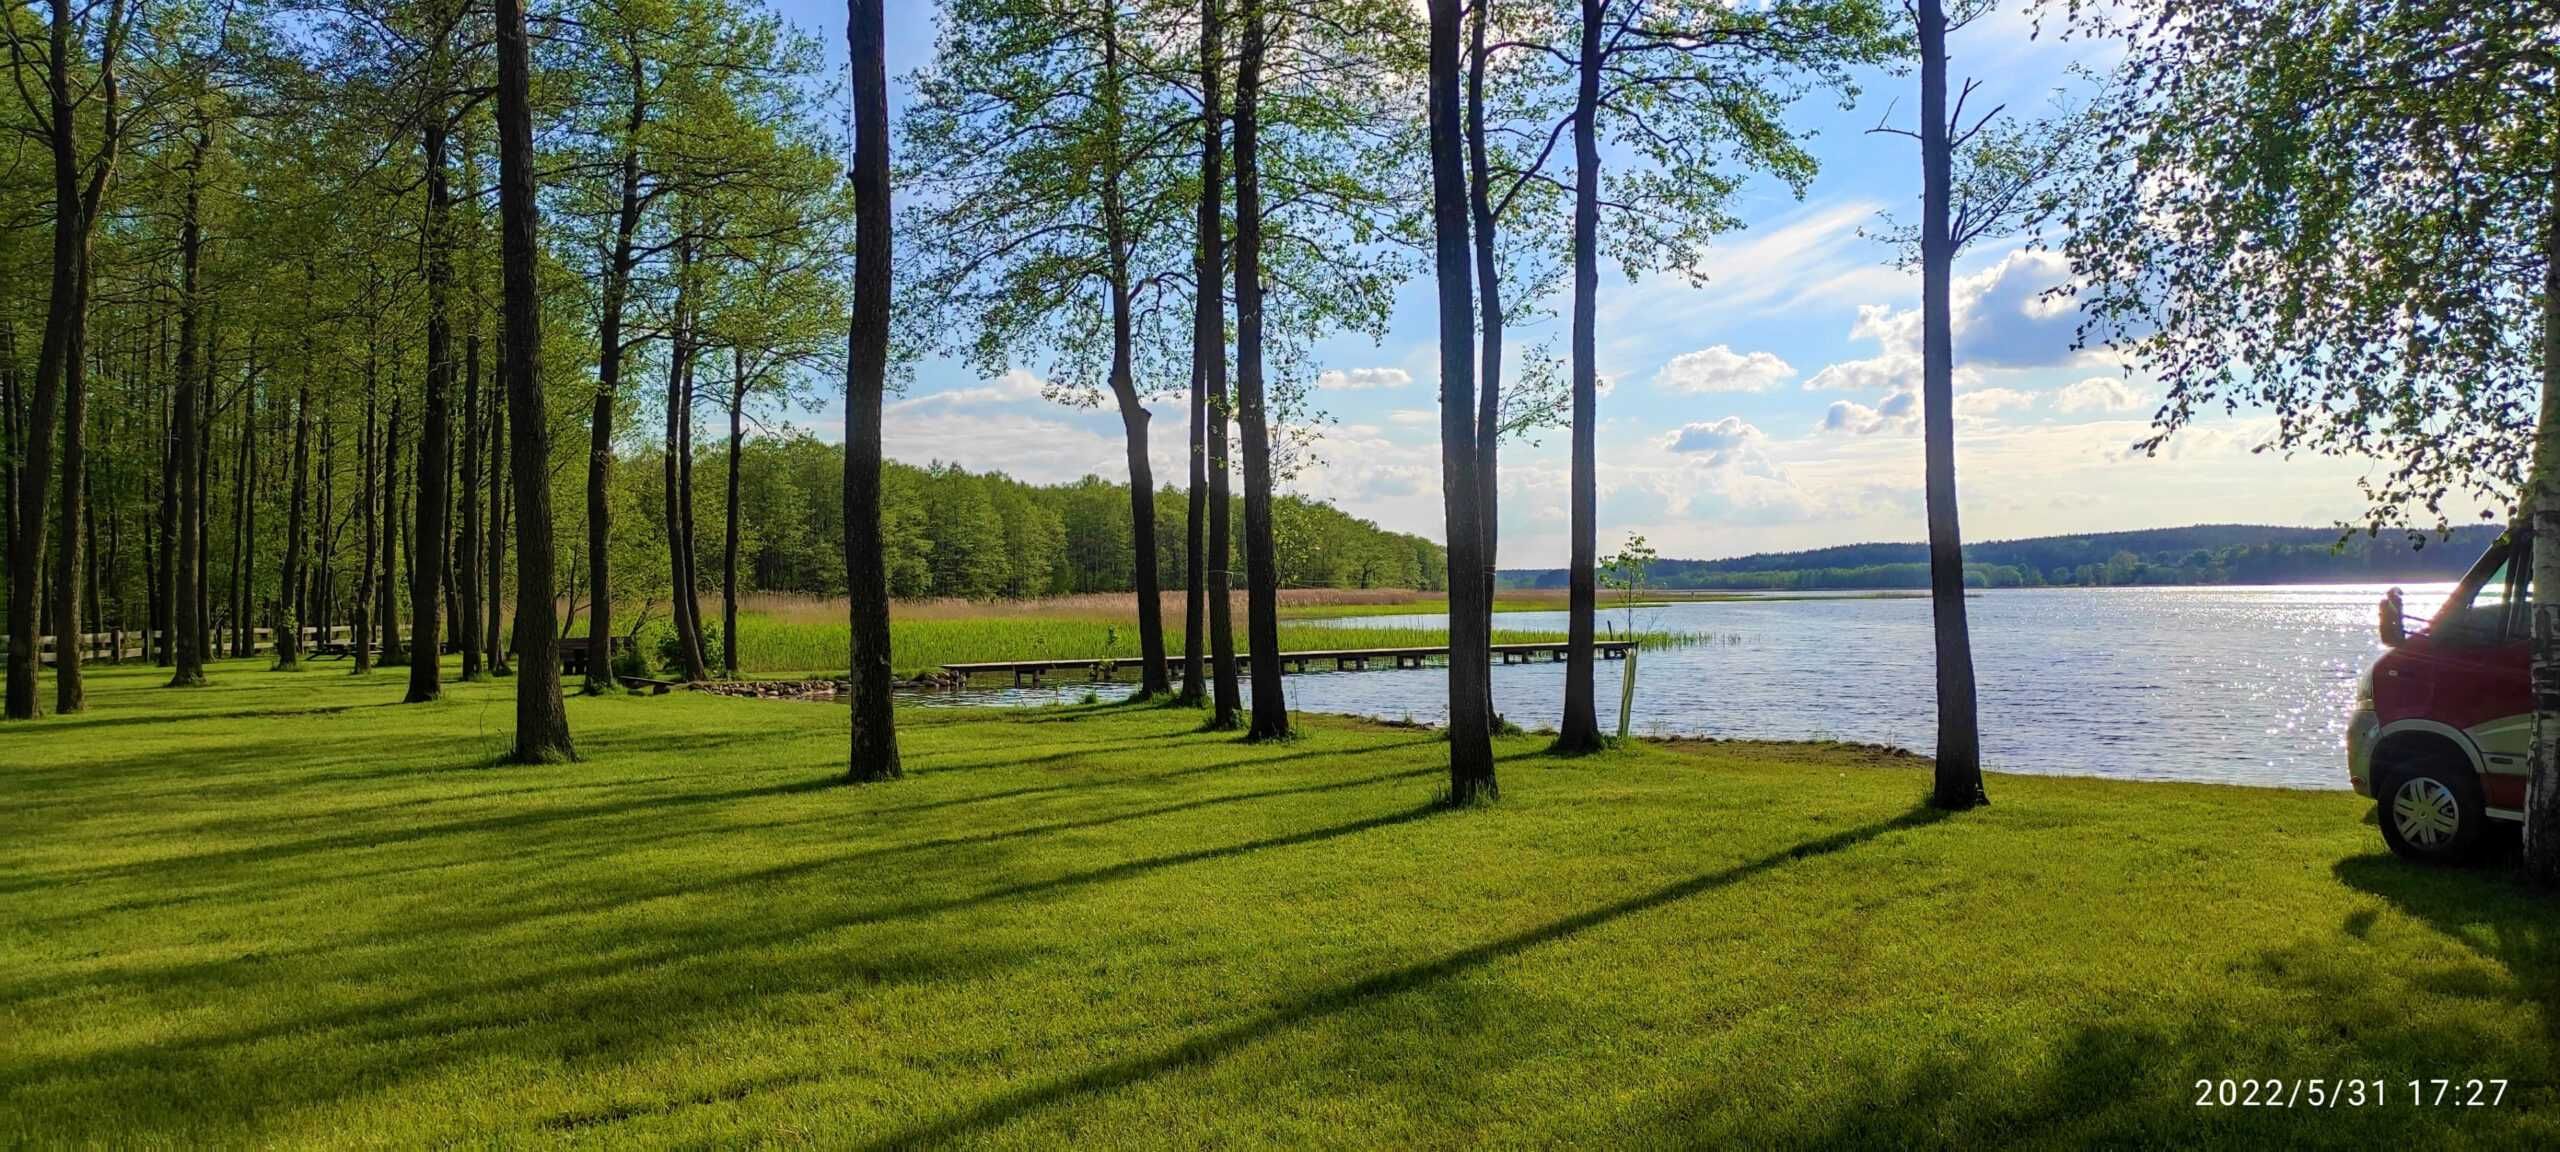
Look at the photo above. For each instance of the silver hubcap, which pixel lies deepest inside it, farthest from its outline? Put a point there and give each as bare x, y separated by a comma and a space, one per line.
2426, 812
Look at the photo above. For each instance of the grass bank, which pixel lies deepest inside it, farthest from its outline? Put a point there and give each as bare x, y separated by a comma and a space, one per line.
800, 636
287, 910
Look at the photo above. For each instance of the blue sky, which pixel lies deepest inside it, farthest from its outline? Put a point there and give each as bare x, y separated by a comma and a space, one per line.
1770, 409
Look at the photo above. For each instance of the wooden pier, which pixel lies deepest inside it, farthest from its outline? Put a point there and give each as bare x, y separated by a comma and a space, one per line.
1102, 668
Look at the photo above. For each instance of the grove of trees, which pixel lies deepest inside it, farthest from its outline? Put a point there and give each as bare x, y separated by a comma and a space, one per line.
393, 326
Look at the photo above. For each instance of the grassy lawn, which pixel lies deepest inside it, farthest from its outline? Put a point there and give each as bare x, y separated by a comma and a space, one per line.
287, 910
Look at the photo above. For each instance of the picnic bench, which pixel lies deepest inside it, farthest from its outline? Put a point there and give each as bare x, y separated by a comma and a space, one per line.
577, 653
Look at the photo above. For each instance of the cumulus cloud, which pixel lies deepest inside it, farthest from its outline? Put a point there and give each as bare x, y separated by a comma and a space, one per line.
2008, 315
1898, 414
1721, 369
2005, 316
1990, 401
1014, 385
1891, 372
1413, 417
1718, 443
1363, 379
2098, 394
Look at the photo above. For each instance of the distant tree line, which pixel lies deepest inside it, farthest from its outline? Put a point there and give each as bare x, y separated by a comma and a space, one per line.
985, 535
2204, 554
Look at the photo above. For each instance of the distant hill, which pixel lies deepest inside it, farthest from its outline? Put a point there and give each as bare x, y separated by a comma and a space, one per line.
2201, 554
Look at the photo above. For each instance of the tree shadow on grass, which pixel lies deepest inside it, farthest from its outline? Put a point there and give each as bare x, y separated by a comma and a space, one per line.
488, 1013
263, 854
2486, 912
88, 722
1290, 1013
516, 916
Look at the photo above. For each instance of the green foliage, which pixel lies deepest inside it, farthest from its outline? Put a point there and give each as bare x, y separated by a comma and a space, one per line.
670, 651
983, 535
2338, 212
1694, 100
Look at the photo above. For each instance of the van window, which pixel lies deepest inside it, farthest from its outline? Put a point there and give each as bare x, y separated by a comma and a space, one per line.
2497, 609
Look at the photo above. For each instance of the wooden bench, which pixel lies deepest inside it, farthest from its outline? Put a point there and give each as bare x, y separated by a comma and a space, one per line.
577, 653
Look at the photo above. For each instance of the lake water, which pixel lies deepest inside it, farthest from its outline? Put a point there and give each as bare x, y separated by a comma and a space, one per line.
2232, 685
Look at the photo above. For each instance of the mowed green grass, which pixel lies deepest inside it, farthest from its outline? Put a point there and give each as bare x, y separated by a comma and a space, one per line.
287, 910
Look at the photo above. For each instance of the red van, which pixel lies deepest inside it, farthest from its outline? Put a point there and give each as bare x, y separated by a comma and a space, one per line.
2444, 720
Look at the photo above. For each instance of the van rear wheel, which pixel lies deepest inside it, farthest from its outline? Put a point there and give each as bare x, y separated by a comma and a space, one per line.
2430, 810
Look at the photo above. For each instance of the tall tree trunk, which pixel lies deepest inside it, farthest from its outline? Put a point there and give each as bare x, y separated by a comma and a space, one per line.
692, 586
36, 434
731, 531
1959, 767
430, 544
1209, 350
1145, 569
875, 735
322, 593
12, 441
1261, 564
187, 622
1488, 286
1580, 729
201, 553
617, 288
1471, 777
164, 602
244, 512
200, 556
2542, 497
1195, 689
466, 629
369, 496
69, 694
685, 608
1142, 516
1208, 343
387, 605
499, 651
61, 381
289, 625
96, 617
542, 718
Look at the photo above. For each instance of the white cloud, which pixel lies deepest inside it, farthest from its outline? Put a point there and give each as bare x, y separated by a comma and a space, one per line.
2004, 316
2097, 394
1721, 369
1719, 443
1891, 372
1014, 385
1363, 379
1897, 332
2008, 315
1989, 401
1898, 414
1414, 417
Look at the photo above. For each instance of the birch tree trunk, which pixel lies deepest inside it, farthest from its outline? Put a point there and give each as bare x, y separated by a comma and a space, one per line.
2542, 786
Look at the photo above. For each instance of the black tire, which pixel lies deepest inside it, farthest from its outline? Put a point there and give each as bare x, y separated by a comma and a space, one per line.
2416, 798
